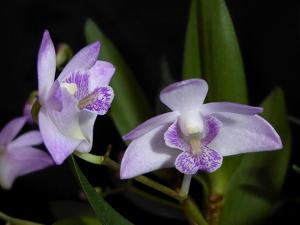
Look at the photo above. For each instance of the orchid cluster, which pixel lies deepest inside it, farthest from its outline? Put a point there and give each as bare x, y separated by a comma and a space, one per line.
194, 137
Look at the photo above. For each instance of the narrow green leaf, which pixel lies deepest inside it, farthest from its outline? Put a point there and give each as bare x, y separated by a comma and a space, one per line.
130, 106
258, 180
221, 65
83, 220
16, 221
106, 214
191, 57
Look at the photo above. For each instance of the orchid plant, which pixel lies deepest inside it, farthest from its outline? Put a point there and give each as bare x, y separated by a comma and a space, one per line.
194, 137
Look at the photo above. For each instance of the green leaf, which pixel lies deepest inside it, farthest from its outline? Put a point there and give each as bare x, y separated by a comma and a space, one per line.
256, 184
130, 106
221, 65
106, 214
191, 57
83, 220
16, 221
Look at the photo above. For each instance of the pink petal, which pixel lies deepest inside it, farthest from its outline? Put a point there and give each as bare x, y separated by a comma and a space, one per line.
100, 74
59, 145
46, 66
151, 124
82, 61
11, 129
30, 138
214, 107
173, 138
244, 133
20, 161
184, 95
147, 153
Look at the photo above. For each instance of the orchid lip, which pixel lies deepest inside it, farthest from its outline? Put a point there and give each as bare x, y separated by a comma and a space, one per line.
195, 143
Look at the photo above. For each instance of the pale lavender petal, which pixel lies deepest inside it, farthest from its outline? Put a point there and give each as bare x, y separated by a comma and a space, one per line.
214, 107
147, 153
209, 160
59, 145
100, 74
30, 138
184, 95
20, 161
46, 66
82, 82
86, 121
244, 133
100, 100
186, 163
67, 120
173, 138
151, 124
11, 129
82, 61
54, 101
212, 127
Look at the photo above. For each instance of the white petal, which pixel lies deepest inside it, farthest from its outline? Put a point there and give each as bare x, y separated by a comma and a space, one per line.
147, 153
184, 95
244, 133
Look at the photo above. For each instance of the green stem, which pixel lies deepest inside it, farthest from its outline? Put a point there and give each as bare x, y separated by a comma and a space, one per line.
16, 221
185, 187
192, 212
104, 160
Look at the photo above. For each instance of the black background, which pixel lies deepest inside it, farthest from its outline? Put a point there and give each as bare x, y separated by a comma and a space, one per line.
144, 32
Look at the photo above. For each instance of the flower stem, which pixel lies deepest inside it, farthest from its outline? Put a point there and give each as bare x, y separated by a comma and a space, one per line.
192, 212
105, 160
16, 221
185, 187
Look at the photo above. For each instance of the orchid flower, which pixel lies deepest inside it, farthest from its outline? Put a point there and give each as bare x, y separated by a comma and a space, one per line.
18, 157
71, 103
195, 136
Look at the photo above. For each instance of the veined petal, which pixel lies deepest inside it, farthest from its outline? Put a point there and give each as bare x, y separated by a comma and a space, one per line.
215, 107
67, 120
11, 129
173, 138
82, 61
54, 100
244, 133
151, 124
59, 145
20, 161
211, 129
46, 66
82, 83
184, 95
86, 121
100, 74
147, 153
209, 160
30, 138
186, 163
99, 100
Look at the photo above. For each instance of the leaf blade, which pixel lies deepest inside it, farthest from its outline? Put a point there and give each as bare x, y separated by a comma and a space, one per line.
106, 214
130, 106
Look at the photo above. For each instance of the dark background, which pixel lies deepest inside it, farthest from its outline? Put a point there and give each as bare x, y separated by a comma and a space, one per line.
144, 32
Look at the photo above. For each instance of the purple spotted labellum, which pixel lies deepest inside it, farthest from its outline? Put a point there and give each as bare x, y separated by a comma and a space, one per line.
17, 156
71, 103
195, 136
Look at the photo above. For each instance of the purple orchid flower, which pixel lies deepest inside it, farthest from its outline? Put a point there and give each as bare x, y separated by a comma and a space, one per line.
195, 136
71, 103
18, 157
